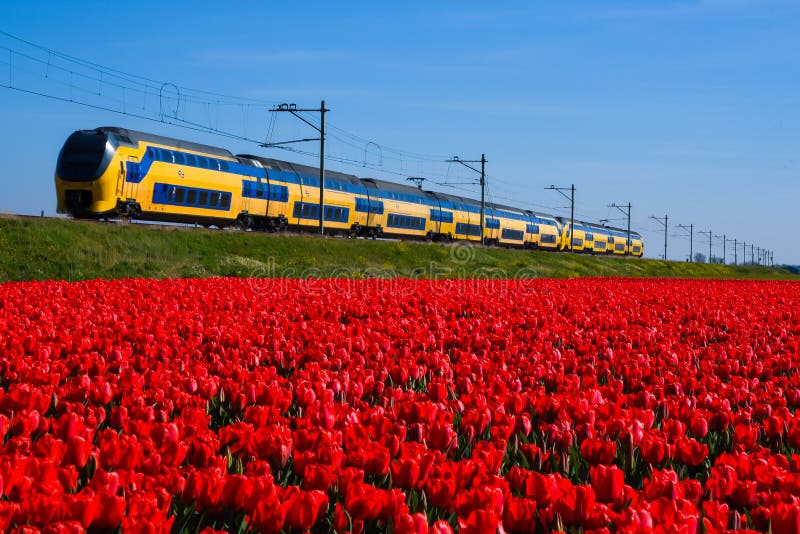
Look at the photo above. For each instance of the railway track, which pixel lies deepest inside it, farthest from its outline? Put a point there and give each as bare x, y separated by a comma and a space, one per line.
172, 226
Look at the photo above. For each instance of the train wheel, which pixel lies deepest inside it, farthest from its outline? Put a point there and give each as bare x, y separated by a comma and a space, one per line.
244, 223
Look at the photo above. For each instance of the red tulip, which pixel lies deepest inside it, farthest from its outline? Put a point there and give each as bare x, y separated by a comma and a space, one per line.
519, 515
441, 527
597, 451
690, 451
269, 516
607, 482
304, 508
479, 522
785, 518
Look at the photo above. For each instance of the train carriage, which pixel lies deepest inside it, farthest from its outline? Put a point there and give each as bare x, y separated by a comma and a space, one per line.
406, 208
512, 225
468, 220
618, 242
446, 214
291, 197
600, 240
637, 245
572, 239
544, 232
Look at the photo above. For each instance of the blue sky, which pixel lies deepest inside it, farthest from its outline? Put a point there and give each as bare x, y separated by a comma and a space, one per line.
686, 108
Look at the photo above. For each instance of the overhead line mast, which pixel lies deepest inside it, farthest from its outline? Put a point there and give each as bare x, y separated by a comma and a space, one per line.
482, 172
292, 108
571, 199
666, 226
691, 238
710, 241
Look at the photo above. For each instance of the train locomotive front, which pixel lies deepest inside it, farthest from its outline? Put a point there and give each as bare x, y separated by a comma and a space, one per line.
111, 172
86, 181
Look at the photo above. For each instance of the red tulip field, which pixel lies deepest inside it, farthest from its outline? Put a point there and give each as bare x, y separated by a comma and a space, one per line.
251, 405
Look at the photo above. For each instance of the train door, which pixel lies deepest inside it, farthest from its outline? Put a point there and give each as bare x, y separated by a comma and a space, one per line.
370, 216
130, 176
473, 225
491, 227
437, 224
247, 193
267, 188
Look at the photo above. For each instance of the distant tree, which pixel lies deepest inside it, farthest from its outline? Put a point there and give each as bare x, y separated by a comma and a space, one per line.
699, 257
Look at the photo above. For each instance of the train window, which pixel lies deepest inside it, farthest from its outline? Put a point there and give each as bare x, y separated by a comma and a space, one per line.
179, 158
191, 159
191, 197
179, 193
202, 162
214, 200
171, 194
516, 235
226, 201
150, 152
281, 193
203, 198
223, 166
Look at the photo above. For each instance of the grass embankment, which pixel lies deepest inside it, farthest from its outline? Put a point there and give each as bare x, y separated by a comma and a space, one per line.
38, 249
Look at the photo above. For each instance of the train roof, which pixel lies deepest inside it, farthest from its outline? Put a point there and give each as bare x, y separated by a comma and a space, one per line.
297, 168
134, 136
385, 185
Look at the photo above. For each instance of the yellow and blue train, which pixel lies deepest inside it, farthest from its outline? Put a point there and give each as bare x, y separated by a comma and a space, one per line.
114, 172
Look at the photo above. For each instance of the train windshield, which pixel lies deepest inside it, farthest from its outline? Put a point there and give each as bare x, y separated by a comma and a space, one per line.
82, 156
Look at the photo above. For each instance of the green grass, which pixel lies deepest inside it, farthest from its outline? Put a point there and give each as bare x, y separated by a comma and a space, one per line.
39, 249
